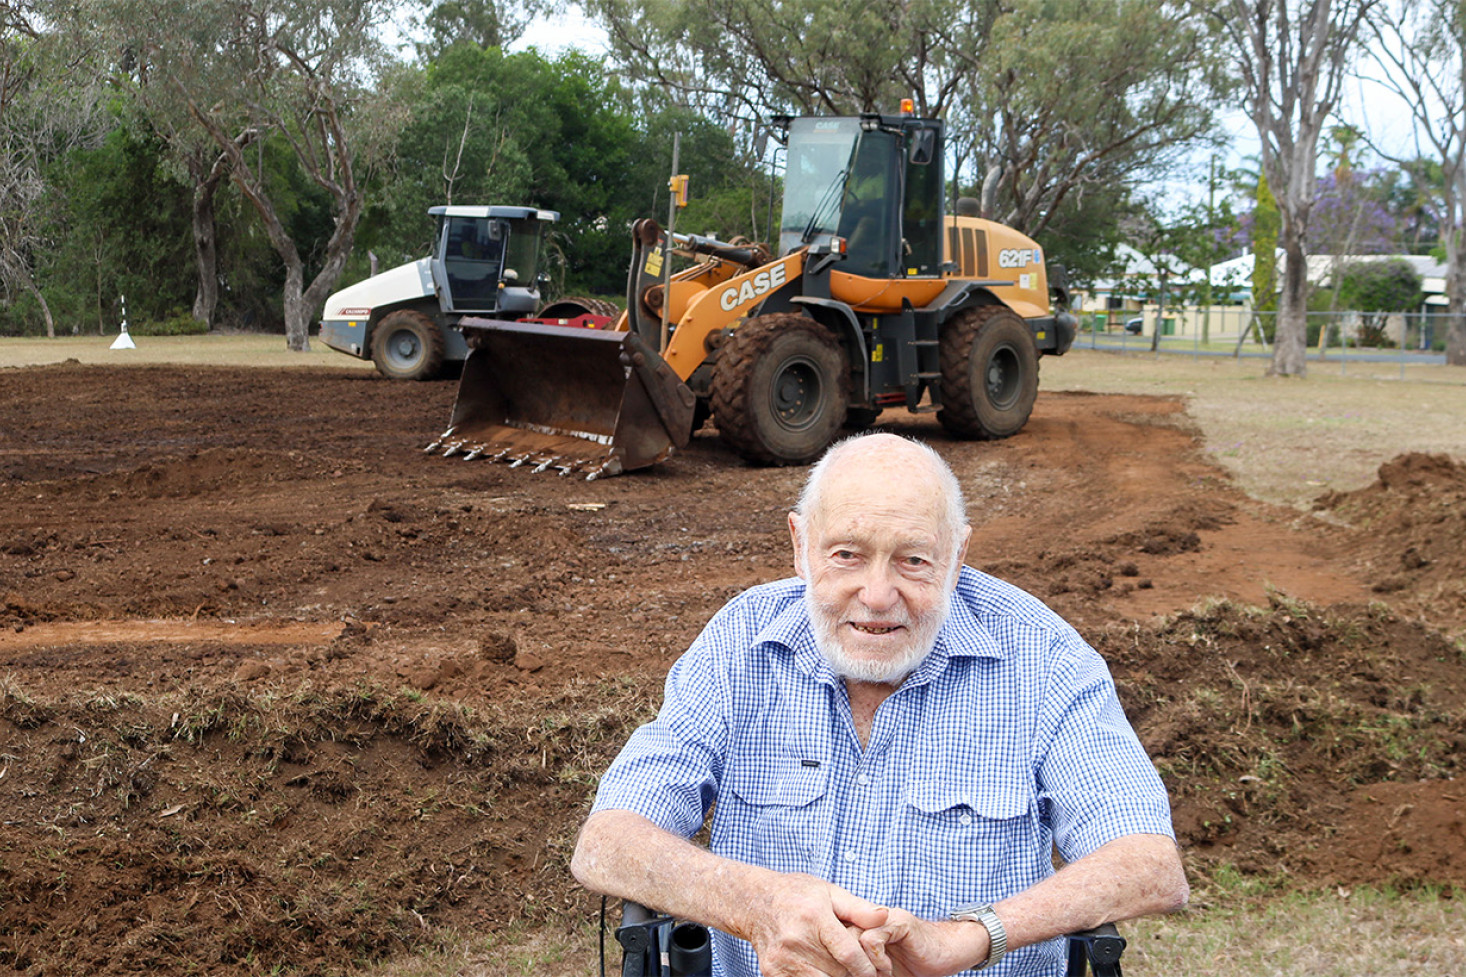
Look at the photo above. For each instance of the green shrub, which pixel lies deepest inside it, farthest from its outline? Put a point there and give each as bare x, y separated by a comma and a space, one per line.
180, 322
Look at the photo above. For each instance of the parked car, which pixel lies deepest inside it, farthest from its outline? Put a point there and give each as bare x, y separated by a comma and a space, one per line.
1133, 326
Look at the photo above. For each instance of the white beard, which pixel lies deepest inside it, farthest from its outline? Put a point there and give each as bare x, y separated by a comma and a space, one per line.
921, 639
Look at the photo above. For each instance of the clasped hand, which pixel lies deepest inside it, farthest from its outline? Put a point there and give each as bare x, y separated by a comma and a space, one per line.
811, 928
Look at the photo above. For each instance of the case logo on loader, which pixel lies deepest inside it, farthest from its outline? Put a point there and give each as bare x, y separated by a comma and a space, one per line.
1018, 257
752, 288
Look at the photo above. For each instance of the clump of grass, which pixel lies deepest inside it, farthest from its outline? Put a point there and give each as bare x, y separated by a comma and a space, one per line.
19, 707
1237, 926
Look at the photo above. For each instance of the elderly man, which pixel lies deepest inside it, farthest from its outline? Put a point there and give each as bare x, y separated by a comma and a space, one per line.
896, 745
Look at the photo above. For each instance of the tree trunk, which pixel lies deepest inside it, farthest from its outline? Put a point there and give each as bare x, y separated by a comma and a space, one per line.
297, 313
206, 253
338, 249
1290, 337
1456, 341
297, 325
1456, 297
34, 289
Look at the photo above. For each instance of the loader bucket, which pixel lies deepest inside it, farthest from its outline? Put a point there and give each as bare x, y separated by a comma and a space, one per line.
581, 401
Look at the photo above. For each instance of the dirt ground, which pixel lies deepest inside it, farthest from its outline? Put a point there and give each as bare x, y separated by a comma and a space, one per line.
279, 692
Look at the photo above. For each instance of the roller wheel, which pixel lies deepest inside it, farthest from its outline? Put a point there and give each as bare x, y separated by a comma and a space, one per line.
573, 306
780, 389
989, 373
408, 345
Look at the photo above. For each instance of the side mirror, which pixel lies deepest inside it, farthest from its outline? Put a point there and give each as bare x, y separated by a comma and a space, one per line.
923, 147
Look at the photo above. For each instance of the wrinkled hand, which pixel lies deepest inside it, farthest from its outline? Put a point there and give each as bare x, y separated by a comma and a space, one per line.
910, 947
809, 927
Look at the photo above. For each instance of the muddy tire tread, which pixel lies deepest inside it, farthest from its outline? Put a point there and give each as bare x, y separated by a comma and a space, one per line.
735, 393
964, 402
434, 347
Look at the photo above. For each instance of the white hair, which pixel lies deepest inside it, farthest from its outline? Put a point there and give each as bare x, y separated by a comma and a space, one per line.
954, 512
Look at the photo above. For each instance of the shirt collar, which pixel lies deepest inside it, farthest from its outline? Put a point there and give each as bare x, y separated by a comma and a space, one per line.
962, 636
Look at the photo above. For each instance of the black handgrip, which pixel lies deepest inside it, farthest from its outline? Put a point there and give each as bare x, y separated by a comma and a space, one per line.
691, 952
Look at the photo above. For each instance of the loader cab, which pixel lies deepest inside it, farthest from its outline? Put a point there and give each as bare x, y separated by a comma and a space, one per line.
487, 259
875, 182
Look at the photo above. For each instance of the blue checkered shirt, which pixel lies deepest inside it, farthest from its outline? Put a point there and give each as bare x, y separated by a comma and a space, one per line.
1007, 742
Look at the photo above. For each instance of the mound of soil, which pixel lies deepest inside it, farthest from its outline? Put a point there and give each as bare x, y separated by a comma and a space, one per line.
1277, 729
1413, 518
279, 691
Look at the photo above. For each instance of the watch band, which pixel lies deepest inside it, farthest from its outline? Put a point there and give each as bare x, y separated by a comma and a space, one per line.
981, 912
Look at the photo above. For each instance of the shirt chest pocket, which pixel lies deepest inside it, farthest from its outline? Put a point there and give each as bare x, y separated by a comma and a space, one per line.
773, 816
975, 832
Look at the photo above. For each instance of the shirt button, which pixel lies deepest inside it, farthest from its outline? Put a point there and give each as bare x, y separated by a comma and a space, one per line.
863, 780
850, 856
965, 819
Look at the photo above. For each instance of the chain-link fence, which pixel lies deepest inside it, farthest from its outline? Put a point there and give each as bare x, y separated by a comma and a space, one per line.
1233, 331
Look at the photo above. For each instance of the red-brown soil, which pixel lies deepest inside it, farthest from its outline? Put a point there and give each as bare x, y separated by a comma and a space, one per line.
279, 691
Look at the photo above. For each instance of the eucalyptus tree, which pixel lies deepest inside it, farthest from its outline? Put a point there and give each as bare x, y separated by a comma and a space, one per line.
1292, 56
1420, 47
261, 76
48, 107
1072, 96
484, 23
747, 59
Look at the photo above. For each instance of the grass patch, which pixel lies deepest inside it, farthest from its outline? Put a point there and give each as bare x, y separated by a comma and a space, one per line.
1339, 933
513, 951
1287, 440
211, 349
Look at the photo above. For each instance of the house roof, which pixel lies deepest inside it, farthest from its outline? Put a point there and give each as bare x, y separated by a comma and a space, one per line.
1135, 265
1321, 268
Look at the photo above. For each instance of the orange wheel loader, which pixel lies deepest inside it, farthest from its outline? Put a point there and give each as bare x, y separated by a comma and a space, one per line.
877, 298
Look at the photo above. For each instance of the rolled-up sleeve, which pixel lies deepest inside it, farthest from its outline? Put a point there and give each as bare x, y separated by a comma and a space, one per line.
1094, 777
669, 770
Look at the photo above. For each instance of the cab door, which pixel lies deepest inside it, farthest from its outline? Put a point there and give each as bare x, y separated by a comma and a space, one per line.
469, 263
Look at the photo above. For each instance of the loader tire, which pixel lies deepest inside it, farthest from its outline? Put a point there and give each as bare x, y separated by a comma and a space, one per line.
989, 373
408, 345
780, 389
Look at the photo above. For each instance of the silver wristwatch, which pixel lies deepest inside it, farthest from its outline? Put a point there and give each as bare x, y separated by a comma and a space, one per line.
981, 912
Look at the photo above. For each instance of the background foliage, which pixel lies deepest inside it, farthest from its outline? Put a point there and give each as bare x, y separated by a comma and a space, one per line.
1074, 113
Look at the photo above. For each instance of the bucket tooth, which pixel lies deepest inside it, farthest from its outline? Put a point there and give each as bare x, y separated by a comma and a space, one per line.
546, 463
519, 460
452, 449
476, 452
